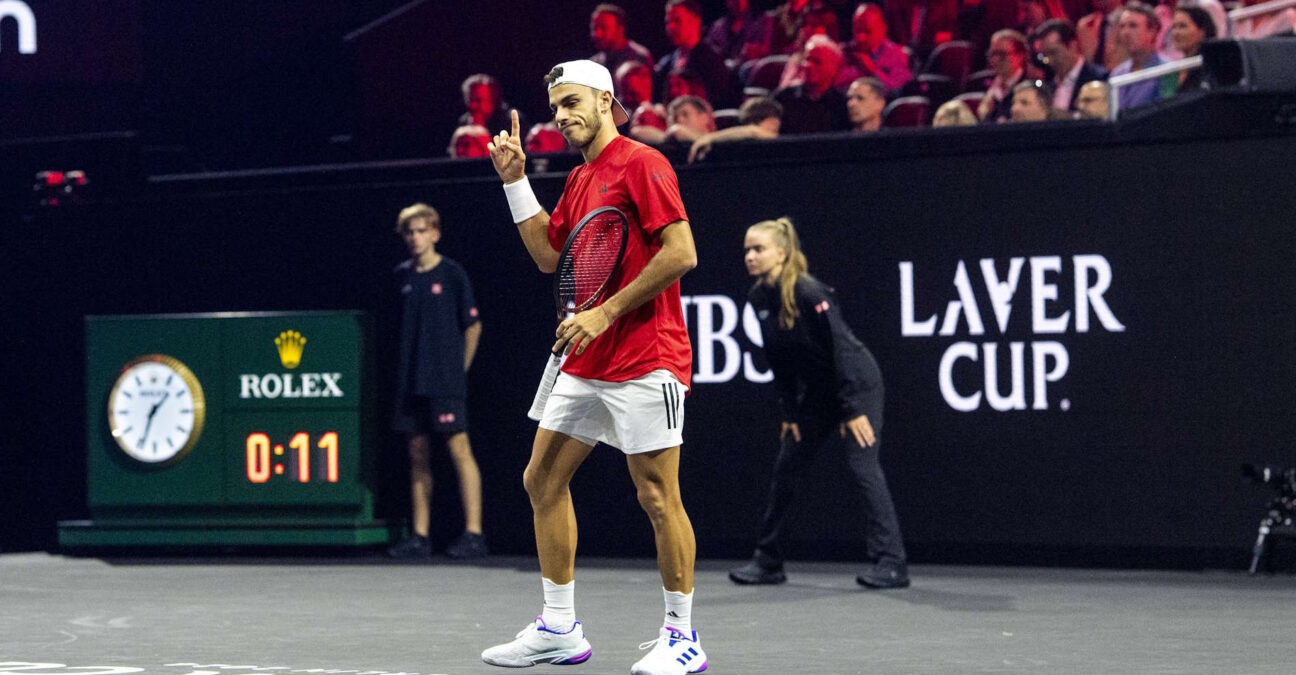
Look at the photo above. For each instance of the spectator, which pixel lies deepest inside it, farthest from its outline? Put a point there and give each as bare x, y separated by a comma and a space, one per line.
980, 19
865, 100
485, 104
608, 33
469, 142
1094, 102
758, 118
954, 114
634, 84
545, 138
690, 117
817, 21
814, 105
1032, 101
1190, 26
1007, 58
922, 24
684, 83
871, 54
737, 34
1216, 11
1265, 25
684, 28
1061, 49
1164, 10
1031, 14
1139, 27
1097, 34
648, 123
778, 29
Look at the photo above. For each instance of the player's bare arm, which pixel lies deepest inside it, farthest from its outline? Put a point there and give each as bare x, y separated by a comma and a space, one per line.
675, 258
510, 163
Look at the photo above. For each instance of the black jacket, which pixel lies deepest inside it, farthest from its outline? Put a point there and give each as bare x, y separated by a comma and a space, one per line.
820, 367
1089, 72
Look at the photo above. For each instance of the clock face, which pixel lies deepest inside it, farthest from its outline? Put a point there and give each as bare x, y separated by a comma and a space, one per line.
156, 409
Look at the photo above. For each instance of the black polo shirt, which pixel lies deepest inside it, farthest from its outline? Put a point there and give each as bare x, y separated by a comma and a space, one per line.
437, 307
805, 115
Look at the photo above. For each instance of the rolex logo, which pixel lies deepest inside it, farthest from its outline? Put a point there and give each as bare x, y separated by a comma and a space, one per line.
290, 344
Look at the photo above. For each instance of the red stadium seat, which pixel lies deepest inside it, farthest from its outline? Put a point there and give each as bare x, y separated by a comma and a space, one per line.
767, 72
979, 81
952, 59
907, 111
937, 88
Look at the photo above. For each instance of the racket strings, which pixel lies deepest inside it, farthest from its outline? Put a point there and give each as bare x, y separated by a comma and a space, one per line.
588, 267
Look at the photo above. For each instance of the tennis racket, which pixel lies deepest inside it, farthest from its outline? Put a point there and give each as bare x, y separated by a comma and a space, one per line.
586, 266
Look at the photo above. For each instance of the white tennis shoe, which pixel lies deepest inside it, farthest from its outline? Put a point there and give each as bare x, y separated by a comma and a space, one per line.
673, 653
537, 644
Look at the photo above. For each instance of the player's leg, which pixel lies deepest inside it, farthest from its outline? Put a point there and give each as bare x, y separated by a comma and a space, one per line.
656, 480
554, 459
555, 636
648, 413
677, 649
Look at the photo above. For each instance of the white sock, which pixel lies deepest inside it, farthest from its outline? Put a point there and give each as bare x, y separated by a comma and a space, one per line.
679, 611
559, 605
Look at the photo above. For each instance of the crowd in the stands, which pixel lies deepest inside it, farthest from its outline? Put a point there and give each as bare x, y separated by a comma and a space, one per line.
810, 66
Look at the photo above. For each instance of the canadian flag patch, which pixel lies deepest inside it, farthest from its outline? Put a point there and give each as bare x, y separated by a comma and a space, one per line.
436, 289
472, 312
821, 307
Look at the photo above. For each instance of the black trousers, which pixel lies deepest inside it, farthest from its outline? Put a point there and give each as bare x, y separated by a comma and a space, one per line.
881, 529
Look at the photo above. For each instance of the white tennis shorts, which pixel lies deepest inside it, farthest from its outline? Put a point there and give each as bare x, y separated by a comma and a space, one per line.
639, 415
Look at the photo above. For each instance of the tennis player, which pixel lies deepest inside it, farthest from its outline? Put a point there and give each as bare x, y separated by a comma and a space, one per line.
626, 372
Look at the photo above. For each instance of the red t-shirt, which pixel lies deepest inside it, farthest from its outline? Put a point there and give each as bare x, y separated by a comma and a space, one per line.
640, 182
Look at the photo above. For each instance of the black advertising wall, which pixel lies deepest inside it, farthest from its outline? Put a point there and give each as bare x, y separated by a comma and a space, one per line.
1082, 340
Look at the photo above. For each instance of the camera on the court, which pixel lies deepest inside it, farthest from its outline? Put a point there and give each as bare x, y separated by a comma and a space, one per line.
1282, 480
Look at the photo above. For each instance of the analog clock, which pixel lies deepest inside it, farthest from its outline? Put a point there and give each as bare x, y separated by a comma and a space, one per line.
156, 409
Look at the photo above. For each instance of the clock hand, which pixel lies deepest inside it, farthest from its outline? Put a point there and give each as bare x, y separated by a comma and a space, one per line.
152, 412
157, 405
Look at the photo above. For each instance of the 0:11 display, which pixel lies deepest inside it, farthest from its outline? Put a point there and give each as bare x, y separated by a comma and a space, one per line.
264, 460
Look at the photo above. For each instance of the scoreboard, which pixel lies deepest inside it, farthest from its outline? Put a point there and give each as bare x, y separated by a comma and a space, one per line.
229, 429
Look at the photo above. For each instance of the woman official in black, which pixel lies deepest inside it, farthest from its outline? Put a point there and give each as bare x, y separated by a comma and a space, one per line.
830, 391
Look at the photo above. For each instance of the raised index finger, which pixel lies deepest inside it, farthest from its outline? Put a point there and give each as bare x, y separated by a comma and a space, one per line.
514, 116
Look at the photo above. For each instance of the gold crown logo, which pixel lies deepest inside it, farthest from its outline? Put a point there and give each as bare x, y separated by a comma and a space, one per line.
290, 344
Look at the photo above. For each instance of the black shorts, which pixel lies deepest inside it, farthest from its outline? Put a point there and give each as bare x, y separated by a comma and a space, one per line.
423, 415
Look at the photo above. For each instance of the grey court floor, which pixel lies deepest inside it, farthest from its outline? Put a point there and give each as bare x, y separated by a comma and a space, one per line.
229, 616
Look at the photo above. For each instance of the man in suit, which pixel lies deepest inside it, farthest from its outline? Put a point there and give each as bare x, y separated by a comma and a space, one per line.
692, 55
1071, 70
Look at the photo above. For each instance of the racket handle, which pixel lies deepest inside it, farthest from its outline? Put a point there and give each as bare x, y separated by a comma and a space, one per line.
552, 368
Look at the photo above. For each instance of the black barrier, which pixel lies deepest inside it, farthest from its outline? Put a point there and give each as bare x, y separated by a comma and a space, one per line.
1082, 339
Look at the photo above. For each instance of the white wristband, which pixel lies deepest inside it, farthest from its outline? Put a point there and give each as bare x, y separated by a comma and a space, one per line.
522, 201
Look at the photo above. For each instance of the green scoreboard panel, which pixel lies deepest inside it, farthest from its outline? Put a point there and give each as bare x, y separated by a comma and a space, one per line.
229, 429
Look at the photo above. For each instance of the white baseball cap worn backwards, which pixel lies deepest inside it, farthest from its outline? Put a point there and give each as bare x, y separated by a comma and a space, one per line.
595, 76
